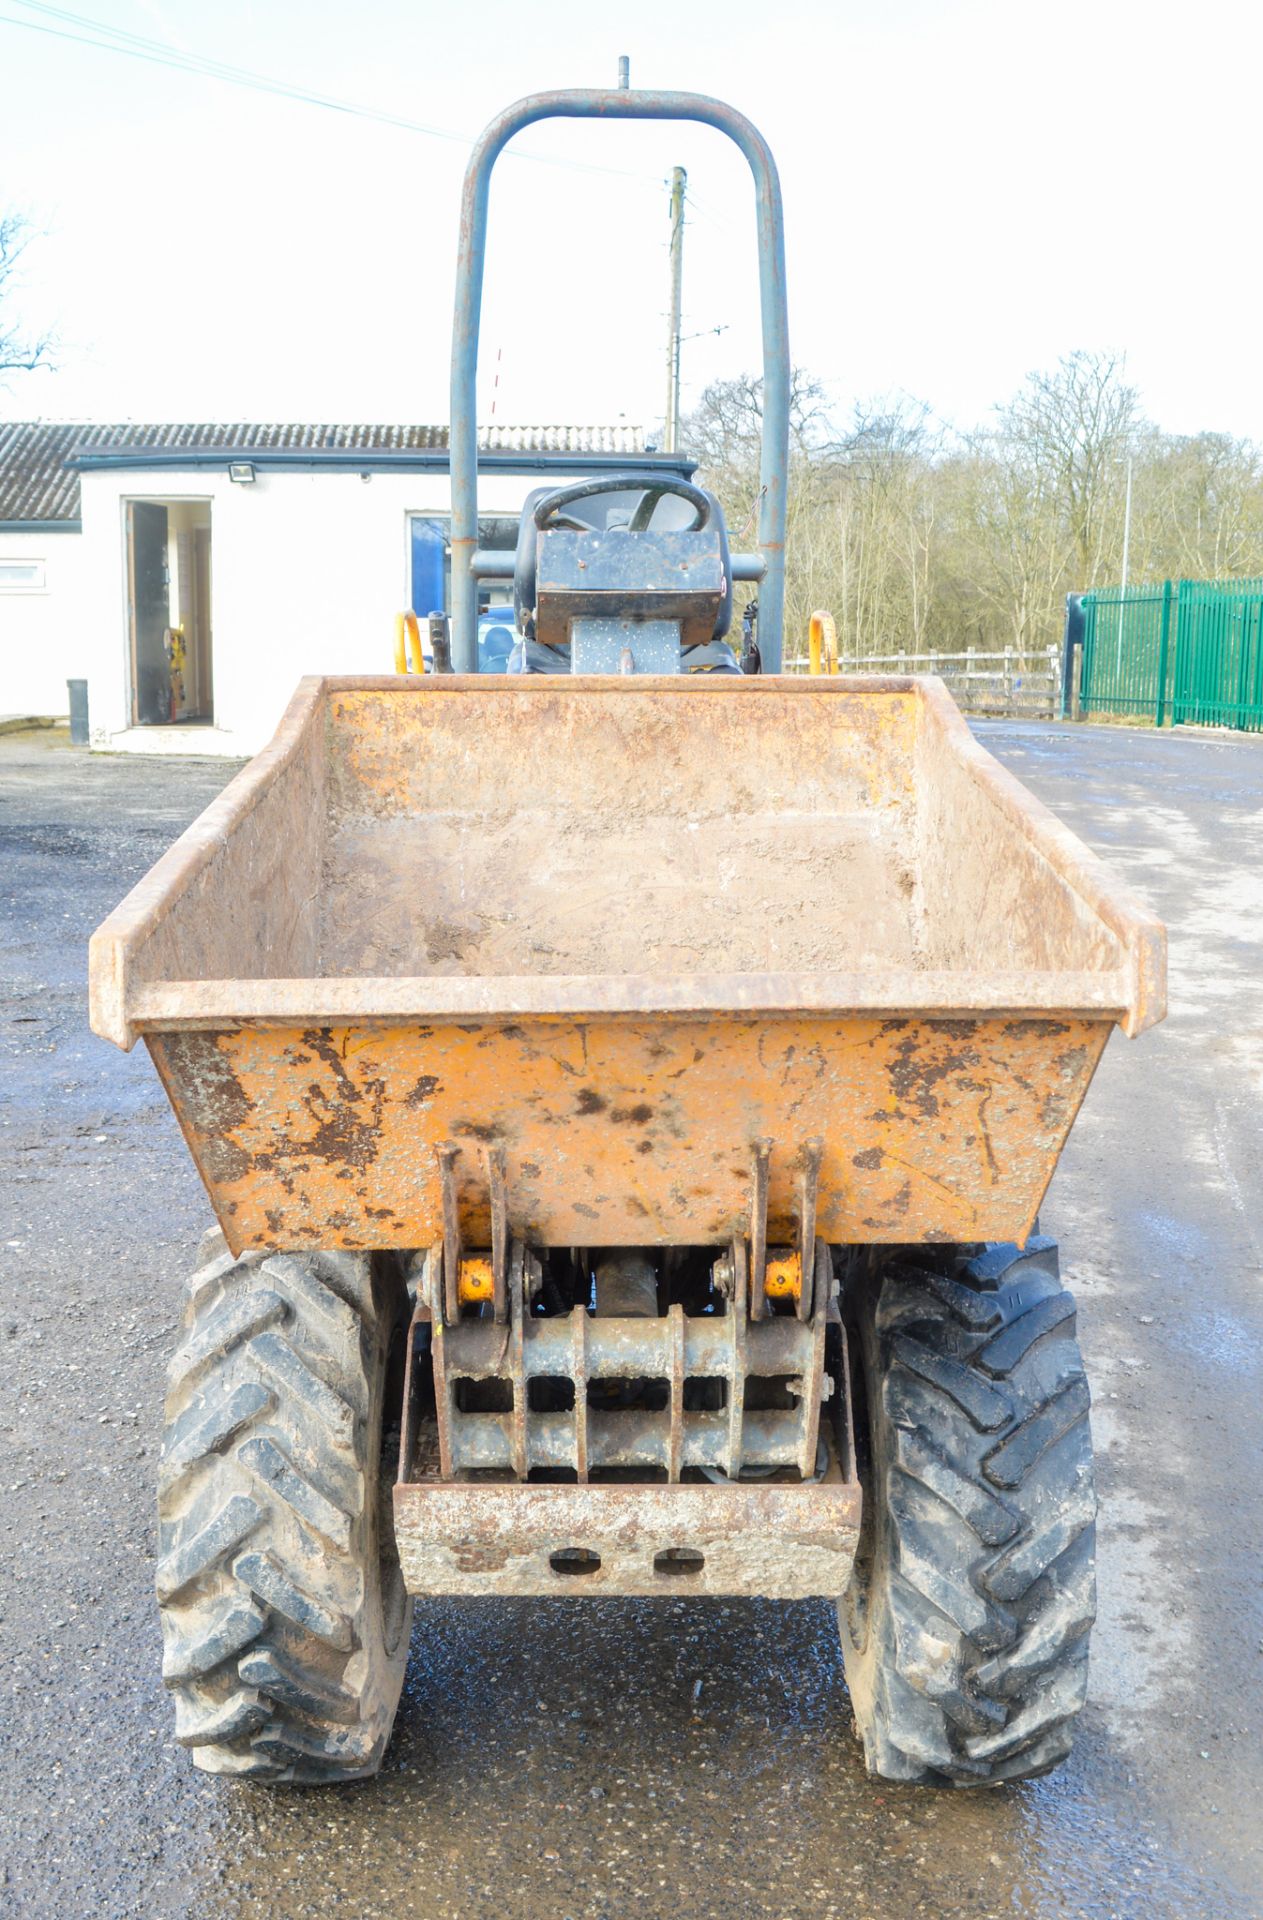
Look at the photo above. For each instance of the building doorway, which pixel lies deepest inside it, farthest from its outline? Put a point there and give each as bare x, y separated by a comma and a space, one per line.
169, 612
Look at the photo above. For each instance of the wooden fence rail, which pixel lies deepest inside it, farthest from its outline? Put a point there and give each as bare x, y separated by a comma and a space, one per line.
1009, 682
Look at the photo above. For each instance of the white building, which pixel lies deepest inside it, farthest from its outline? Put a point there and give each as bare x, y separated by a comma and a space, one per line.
192, 574
41, 554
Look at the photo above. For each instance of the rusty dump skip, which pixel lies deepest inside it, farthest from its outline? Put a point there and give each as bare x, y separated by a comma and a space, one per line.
619, 931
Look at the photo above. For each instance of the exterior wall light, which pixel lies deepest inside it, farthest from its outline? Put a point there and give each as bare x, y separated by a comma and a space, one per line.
242, 472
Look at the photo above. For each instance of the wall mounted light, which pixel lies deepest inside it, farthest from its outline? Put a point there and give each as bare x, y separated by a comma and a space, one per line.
242, 472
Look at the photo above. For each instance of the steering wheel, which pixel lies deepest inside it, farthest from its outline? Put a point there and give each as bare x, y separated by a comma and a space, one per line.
549, 515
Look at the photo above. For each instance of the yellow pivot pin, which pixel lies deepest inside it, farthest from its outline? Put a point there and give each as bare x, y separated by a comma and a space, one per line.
476, 1282
783, 1277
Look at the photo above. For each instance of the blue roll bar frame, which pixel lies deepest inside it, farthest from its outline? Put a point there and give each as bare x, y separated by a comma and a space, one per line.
623, 103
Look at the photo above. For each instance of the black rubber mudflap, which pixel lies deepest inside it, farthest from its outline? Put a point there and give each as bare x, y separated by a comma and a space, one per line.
965, 1629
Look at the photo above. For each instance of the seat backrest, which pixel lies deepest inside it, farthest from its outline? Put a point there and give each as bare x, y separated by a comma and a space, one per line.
597, 510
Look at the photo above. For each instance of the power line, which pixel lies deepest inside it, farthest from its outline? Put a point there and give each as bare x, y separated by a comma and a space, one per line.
708, 213
134, 46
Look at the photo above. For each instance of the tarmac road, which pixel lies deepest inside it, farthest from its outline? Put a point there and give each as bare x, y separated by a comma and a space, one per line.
621, 1759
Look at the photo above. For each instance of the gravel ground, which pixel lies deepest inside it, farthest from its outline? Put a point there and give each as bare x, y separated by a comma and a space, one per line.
561, 1758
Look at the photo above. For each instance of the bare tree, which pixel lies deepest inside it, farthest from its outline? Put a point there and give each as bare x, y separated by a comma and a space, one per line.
919, 540
886, 514
1011, 542
1077, 424
20, 351
725, 434
726, 428
1199, 507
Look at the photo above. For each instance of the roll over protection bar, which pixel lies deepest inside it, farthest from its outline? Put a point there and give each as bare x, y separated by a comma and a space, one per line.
627, 104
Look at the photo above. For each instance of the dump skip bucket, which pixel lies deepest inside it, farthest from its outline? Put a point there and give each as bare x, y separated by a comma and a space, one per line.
619, 932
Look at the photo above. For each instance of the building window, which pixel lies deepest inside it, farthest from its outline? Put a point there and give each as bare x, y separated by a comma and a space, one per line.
431, 561
22, 576
431, 568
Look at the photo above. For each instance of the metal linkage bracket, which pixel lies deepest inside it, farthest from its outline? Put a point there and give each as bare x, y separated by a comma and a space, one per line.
469, 1280
470, 1521
738, 1314
485, 1430
447, 1157
484, 1362
762, 1157
496, 1180
808, 1186
784, 1273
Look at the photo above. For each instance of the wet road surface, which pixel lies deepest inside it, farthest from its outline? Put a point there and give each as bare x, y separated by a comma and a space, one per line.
610, 1758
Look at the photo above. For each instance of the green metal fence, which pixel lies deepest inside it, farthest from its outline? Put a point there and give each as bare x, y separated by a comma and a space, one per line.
1188, 652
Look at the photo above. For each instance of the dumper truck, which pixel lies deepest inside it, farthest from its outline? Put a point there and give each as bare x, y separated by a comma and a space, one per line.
626, 1094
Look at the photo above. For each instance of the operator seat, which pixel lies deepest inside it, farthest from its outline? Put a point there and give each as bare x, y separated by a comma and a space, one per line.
613, 511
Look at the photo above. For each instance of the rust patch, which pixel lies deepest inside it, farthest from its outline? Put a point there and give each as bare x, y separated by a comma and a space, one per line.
210, 1101
341, 1153
424, 1088
918, 1068
468, 1557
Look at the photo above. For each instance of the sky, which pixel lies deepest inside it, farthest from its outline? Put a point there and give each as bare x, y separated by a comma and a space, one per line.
972, 190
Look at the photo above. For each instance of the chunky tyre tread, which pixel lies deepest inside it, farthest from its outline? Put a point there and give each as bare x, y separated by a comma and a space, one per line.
965, 1635
276, 1649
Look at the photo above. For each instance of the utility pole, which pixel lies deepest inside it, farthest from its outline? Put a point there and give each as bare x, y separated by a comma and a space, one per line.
671, 433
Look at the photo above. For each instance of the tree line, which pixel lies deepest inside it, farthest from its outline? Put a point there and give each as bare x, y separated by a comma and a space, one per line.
20, 351
922, 539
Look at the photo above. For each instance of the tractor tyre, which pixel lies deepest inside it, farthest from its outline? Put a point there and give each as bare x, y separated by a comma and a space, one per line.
285, 1621
965, 1626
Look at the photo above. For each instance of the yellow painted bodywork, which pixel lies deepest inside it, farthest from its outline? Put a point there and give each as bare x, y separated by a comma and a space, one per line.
630, 1131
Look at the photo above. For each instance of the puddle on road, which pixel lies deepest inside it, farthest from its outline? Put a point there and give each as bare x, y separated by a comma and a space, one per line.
552, 1760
